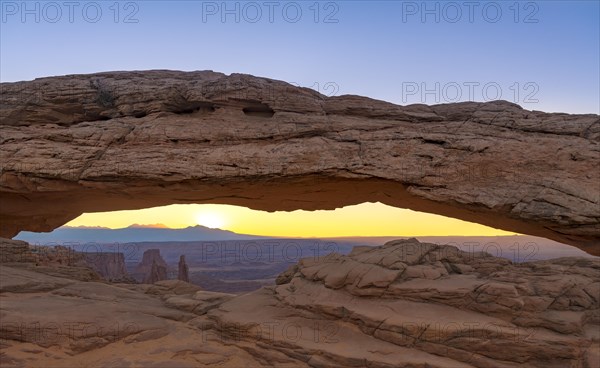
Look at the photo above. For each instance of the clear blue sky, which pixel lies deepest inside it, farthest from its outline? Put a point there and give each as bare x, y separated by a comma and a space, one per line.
549, 51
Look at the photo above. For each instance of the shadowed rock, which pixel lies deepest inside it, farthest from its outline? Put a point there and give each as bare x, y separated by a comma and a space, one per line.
152, 268
58, 261
157, 273
111, 266
183, 270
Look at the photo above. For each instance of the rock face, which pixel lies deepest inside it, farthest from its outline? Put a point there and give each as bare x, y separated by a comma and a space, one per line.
183, 270
111, 266
407, 303
157, 273
127, 140
93, 266
76, 324
153, 267
404, 304
55, 261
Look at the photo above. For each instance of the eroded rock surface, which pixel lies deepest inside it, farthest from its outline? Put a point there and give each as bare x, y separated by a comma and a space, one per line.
111, 266
403, 304
152, 268
56, 261
407, 303
183, 270
126, 140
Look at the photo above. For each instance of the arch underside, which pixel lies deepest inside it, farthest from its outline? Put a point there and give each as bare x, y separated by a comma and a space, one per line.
130, 140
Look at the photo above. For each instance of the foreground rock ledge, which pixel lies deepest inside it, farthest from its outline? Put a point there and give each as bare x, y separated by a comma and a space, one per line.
127, 140
404, 304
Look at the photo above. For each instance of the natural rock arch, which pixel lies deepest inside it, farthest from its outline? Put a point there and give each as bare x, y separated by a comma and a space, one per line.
127, 140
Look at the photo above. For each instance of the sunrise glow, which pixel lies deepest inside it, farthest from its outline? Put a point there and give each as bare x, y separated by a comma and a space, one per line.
367, 219
211, 219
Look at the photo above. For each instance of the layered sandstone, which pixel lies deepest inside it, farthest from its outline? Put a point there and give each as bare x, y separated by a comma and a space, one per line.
403, 304
126, 140
411, 304
152, 268
110, 265
56, 261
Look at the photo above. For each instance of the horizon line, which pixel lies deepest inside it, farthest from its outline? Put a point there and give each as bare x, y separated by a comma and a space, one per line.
164, 227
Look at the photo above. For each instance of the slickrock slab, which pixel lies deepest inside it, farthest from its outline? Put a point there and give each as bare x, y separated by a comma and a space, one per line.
403, 304
53, 322
472, 309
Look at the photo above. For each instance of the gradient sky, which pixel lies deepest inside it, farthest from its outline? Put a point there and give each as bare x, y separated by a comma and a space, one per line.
373, 49
367, 219
548, 51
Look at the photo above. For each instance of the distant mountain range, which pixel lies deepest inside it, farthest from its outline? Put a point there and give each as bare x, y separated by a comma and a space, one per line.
131, 234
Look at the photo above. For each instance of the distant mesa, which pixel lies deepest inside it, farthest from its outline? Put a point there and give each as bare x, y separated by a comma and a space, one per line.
109, 265
153, 267
157, 273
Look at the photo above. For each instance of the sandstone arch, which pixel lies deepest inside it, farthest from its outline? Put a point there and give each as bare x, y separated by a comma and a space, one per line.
126, 140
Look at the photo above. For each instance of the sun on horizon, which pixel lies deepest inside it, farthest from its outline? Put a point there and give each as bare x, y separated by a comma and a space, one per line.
366, 219
211, 219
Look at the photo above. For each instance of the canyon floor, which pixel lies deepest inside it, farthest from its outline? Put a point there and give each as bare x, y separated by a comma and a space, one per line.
402, 304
